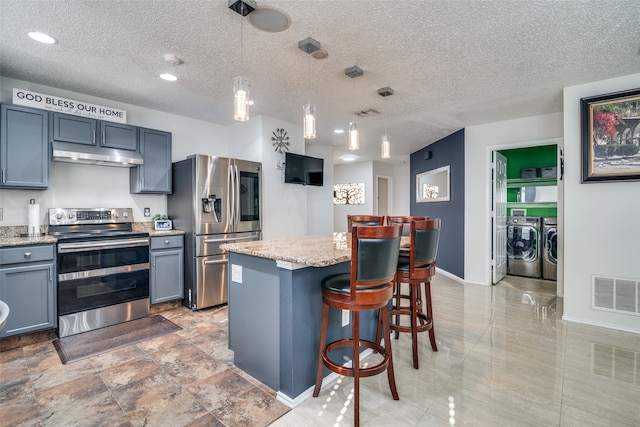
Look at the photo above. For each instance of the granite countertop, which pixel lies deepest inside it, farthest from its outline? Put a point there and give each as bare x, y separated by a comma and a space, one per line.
15, 235
6, 241
313, 251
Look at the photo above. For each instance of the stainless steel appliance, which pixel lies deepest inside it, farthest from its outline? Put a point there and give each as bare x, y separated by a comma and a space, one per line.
103, 268
523, 246
550, 248
215, 200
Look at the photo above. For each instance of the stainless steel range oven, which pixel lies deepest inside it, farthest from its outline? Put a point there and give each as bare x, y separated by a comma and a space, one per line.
103, 268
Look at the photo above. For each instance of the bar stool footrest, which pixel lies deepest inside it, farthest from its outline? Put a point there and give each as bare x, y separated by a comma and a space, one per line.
346, 371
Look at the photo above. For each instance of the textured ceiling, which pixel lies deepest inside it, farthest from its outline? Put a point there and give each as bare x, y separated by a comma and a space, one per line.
451, 63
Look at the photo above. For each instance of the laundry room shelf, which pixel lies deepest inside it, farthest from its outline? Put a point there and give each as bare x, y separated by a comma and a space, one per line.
532, 205
530, 182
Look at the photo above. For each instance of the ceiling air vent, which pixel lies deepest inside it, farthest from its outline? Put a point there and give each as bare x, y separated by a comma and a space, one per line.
367, 112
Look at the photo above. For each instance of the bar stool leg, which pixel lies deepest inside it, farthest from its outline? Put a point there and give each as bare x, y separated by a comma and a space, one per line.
384, 314
432, 332
355, 361
323, 343
414, 322
397, 287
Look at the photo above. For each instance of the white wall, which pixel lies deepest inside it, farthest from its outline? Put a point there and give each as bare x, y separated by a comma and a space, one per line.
353, 173
320, 199
601, 230
401, 188
285, 205
478, 141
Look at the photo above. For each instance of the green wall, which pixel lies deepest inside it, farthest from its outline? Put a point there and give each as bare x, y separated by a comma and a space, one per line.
530, 157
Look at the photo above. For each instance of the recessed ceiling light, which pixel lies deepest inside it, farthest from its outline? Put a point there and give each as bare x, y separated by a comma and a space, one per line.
338, 131
168, 77
348, 157
42, 37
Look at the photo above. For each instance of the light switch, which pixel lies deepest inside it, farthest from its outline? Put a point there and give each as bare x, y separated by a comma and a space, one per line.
236, 273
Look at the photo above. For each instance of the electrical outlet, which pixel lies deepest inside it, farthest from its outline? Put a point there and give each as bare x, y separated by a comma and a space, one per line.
147, 211
345, 317
279, 165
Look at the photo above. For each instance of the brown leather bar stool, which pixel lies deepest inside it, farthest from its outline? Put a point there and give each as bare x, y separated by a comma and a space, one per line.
368, 220
404, 221
368, 286
416, 270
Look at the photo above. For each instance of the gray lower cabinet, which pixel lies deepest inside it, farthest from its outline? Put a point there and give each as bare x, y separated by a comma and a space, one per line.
154, 175
167, 268
85, 130
27, 286
24, 147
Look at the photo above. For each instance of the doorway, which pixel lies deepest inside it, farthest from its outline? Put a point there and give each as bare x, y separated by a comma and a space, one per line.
383, 196
532, 192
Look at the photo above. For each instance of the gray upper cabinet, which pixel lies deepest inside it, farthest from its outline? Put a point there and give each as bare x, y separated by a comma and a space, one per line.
84, 130
24, 147
154, 175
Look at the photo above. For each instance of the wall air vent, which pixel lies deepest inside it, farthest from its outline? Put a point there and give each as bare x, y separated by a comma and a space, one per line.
616, 294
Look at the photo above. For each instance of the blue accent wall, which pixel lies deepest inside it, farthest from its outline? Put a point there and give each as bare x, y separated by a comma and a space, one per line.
447, 151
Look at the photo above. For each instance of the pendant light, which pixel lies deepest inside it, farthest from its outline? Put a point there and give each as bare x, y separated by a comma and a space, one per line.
309, 45
385, 145
240, 83
354, 134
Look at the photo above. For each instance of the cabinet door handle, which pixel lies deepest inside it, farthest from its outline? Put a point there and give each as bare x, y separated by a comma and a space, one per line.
27, 255
51, 273
3, 178
93, 137
104, 138
166, 242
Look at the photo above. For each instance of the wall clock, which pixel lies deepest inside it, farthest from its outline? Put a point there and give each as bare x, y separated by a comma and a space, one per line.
280, 140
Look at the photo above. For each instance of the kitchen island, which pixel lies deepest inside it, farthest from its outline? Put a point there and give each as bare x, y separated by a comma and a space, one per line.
275, 309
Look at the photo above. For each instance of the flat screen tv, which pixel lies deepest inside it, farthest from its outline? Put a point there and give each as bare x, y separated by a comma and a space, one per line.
305, 170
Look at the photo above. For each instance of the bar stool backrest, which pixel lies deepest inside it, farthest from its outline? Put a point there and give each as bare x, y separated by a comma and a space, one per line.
424, 242
368, 220
405, 222
374, 256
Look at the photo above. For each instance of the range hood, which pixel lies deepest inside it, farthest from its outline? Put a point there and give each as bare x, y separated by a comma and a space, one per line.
94, 155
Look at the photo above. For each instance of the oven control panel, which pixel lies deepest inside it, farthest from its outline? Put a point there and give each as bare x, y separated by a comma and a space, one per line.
69, 216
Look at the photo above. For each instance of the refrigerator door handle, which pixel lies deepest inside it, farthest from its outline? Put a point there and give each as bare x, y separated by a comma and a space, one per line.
232, 196
230, 239
222, 261
237, 190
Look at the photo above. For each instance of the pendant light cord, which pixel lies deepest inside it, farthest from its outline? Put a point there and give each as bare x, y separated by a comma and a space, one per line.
241, 38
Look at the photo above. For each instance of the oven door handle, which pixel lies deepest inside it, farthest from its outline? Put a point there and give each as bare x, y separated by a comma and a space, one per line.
108, 244
101, 272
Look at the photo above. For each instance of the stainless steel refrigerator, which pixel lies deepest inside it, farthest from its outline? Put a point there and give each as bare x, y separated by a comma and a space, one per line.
215, 200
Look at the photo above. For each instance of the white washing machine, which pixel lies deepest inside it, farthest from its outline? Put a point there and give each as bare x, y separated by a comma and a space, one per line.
550, 248
523, 246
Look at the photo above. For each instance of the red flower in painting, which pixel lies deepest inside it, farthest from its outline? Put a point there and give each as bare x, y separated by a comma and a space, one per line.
604, 125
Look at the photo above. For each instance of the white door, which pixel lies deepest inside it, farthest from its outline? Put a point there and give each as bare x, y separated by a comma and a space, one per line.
499, 217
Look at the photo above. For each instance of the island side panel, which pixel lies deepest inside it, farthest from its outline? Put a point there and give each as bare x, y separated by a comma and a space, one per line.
254, 318
300, 318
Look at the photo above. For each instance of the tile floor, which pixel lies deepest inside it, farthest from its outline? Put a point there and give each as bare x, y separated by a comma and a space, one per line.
505, 359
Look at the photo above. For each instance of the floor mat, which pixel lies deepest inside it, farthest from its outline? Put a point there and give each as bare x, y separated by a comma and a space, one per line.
87, 344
